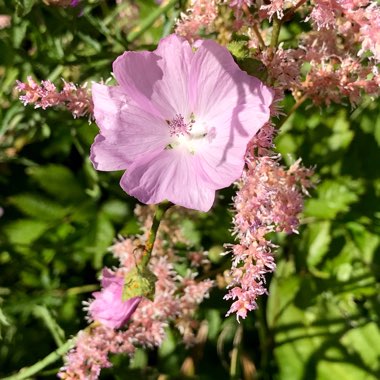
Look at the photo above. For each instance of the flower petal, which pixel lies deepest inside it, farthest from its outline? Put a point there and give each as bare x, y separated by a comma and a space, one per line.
157, 80
232, 104
223, 160
126, 131
168, 175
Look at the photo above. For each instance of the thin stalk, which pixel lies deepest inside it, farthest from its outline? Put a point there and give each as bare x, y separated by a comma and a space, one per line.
290, 13
235, 354
275, 33
149, 21
262, 330
299, 102
55, 330
259, 36
37, 367
158, 215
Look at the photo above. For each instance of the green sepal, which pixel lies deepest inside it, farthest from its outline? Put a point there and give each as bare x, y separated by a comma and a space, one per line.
139, 282
239, 49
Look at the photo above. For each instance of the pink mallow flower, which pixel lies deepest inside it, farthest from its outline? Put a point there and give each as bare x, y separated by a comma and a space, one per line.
179, 121
108, 307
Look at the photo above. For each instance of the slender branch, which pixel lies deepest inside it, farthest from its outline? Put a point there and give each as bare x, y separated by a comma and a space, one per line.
35, 368
149, 21
235, 354
275, 33
259, 36
158, 215
290, 13
299, 102
55, 330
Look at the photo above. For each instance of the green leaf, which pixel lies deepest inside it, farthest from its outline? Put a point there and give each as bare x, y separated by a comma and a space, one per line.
23, 7
25, 231
3, 321
318, 242
38, 207
58, 181
101, 236
364, 341
334, 197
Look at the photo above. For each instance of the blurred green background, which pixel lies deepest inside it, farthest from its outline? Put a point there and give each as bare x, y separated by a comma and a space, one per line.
321, 319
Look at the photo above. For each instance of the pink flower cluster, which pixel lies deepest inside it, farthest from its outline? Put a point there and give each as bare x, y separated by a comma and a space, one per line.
175, 301
5, 21
345, 31
200, 15
269, 199
76, 99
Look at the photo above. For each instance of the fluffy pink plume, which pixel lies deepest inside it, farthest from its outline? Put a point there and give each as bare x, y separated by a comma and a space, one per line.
269, 199
76, 99
200, 15
179, 121
175, 302
108, 307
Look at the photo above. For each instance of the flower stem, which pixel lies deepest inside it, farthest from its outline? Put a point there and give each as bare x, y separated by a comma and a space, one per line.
298, 103
158, 215
35, 368
149, 21
275, 34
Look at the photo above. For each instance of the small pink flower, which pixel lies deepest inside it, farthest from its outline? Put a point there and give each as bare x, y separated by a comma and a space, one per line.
108, 306
179, 121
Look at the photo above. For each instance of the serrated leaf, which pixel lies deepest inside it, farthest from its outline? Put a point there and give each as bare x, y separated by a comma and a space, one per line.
25, 231
57, 180
38, 207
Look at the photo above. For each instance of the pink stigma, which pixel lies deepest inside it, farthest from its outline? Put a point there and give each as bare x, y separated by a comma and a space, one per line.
178, 127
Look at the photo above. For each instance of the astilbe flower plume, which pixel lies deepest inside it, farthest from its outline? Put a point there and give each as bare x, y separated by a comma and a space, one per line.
175, 301
75, 99
200, 15
179, 121
269, 199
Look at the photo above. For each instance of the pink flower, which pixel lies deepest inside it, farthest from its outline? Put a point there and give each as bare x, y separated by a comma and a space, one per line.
179, 121
108, 306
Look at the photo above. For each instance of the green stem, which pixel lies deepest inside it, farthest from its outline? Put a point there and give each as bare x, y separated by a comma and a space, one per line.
298, 103
149, 21
55, 330
275, 33
263, 332
35, 368
158, 215
235, 354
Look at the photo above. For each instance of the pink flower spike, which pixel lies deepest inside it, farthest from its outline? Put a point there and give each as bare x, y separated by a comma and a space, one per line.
179, 122
108, 307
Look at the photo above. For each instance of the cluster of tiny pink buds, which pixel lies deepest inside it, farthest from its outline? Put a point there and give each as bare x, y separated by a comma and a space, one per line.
77, 99
5, 21
201, 14
175, 301
269, 199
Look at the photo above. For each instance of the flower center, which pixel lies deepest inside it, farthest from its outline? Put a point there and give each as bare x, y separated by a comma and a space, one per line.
189, 134
178, 127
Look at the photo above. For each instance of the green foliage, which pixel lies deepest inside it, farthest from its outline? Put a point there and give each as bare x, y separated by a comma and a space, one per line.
321, 318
